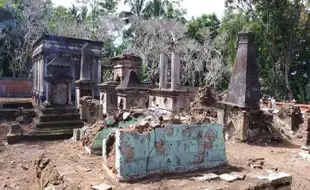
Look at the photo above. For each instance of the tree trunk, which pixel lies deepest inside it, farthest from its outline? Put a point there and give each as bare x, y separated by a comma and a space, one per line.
287, 84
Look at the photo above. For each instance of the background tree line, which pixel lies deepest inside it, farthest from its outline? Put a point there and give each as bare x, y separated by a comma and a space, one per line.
206, 44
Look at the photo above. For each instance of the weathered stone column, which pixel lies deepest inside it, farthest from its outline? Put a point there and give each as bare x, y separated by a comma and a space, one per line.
37, 77
41, 76
85, 63
85, 86
47, 93
243, 94
244, 87
163, 71
99, 71
175, 71
69, 94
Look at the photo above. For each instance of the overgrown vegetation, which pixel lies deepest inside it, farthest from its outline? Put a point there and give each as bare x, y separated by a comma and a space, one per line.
207, 45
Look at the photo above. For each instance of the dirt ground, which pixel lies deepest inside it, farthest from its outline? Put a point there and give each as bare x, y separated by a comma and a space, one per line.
80, 170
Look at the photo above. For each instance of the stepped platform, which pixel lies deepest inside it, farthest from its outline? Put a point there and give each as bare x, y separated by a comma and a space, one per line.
54, 123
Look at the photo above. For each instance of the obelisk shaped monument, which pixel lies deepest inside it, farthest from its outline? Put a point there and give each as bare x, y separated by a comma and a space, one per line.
244, 86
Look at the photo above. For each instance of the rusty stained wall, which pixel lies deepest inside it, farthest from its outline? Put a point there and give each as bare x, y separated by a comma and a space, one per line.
170, 103
175, 148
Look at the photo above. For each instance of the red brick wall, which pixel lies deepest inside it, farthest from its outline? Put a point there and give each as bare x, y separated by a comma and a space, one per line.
15, 87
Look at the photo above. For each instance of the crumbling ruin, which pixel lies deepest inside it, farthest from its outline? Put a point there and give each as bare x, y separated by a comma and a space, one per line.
143, 129
58, 62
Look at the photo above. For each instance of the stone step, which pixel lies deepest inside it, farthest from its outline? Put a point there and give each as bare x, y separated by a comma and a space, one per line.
48, 134
61, 117
60, 124
59, 110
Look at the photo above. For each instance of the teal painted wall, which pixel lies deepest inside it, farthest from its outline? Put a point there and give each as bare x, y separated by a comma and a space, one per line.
97, 144
112, 124
173, 148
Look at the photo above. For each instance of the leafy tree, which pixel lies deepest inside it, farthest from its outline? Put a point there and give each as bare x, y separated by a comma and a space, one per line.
282, 38
197, 25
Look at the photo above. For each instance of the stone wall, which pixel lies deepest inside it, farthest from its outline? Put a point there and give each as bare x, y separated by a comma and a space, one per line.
175, 148
90, 109
15, 87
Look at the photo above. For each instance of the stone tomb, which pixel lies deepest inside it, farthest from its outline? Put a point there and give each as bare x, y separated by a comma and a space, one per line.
125, 90
241, 111
68, 52
57, 64
171, 98
131, 93
172, 149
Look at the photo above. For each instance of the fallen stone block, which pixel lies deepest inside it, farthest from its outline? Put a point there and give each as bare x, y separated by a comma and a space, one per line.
227, 177
76, 134
238, 175
304, 155
54, 187
102, 186
126, 116
207, 177
12, 138
16, 128
277, 178
15, 133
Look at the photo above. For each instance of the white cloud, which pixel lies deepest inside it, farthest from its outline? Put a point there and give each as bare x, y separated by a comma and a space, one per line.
194, 7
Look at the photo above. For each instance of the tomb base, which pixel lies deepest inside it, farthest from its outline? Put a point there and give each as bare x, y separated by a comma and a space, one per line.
240, 124
108, 97
84, 88
55, 122
169, 101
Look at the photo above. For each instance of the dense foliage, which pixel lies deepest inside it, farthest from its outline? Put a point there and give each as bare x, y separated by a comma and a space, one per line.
282, 40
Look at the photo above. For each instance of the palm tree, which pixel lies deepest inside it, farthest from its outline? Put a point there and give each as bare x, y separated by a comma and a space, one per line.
155, 8
137, 6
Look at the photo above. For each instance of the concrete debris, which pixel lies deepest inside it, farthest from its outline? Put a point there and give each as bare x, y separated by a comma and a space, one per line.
47, 173
238, 175
76, 135
92, 131
256, 163
276, 177
24, 167
102, 186
206, 177
305, 153
228, 177
54, 187
126, 115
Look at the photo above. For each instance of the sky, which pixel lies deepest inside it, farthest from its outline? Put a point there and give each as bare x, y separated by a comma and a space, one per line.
194, 7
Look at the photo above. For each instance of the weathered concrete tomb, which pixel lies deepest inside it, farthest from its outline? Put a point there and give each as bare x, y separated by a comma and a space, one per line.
58, 62
241, 111
172, 149
121, 93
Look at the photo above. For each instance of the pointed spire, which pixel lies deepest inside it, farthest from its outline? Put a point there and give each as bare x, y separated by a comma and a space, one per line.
244, 86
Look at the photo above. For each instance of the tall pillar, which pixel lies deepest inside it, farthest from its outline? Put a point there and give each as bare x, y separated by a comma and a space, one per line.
69, 93
41, 75
86, 62
34, 76
37, 77
47, 92
163, 71
244, 86
99, 62
175, 71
